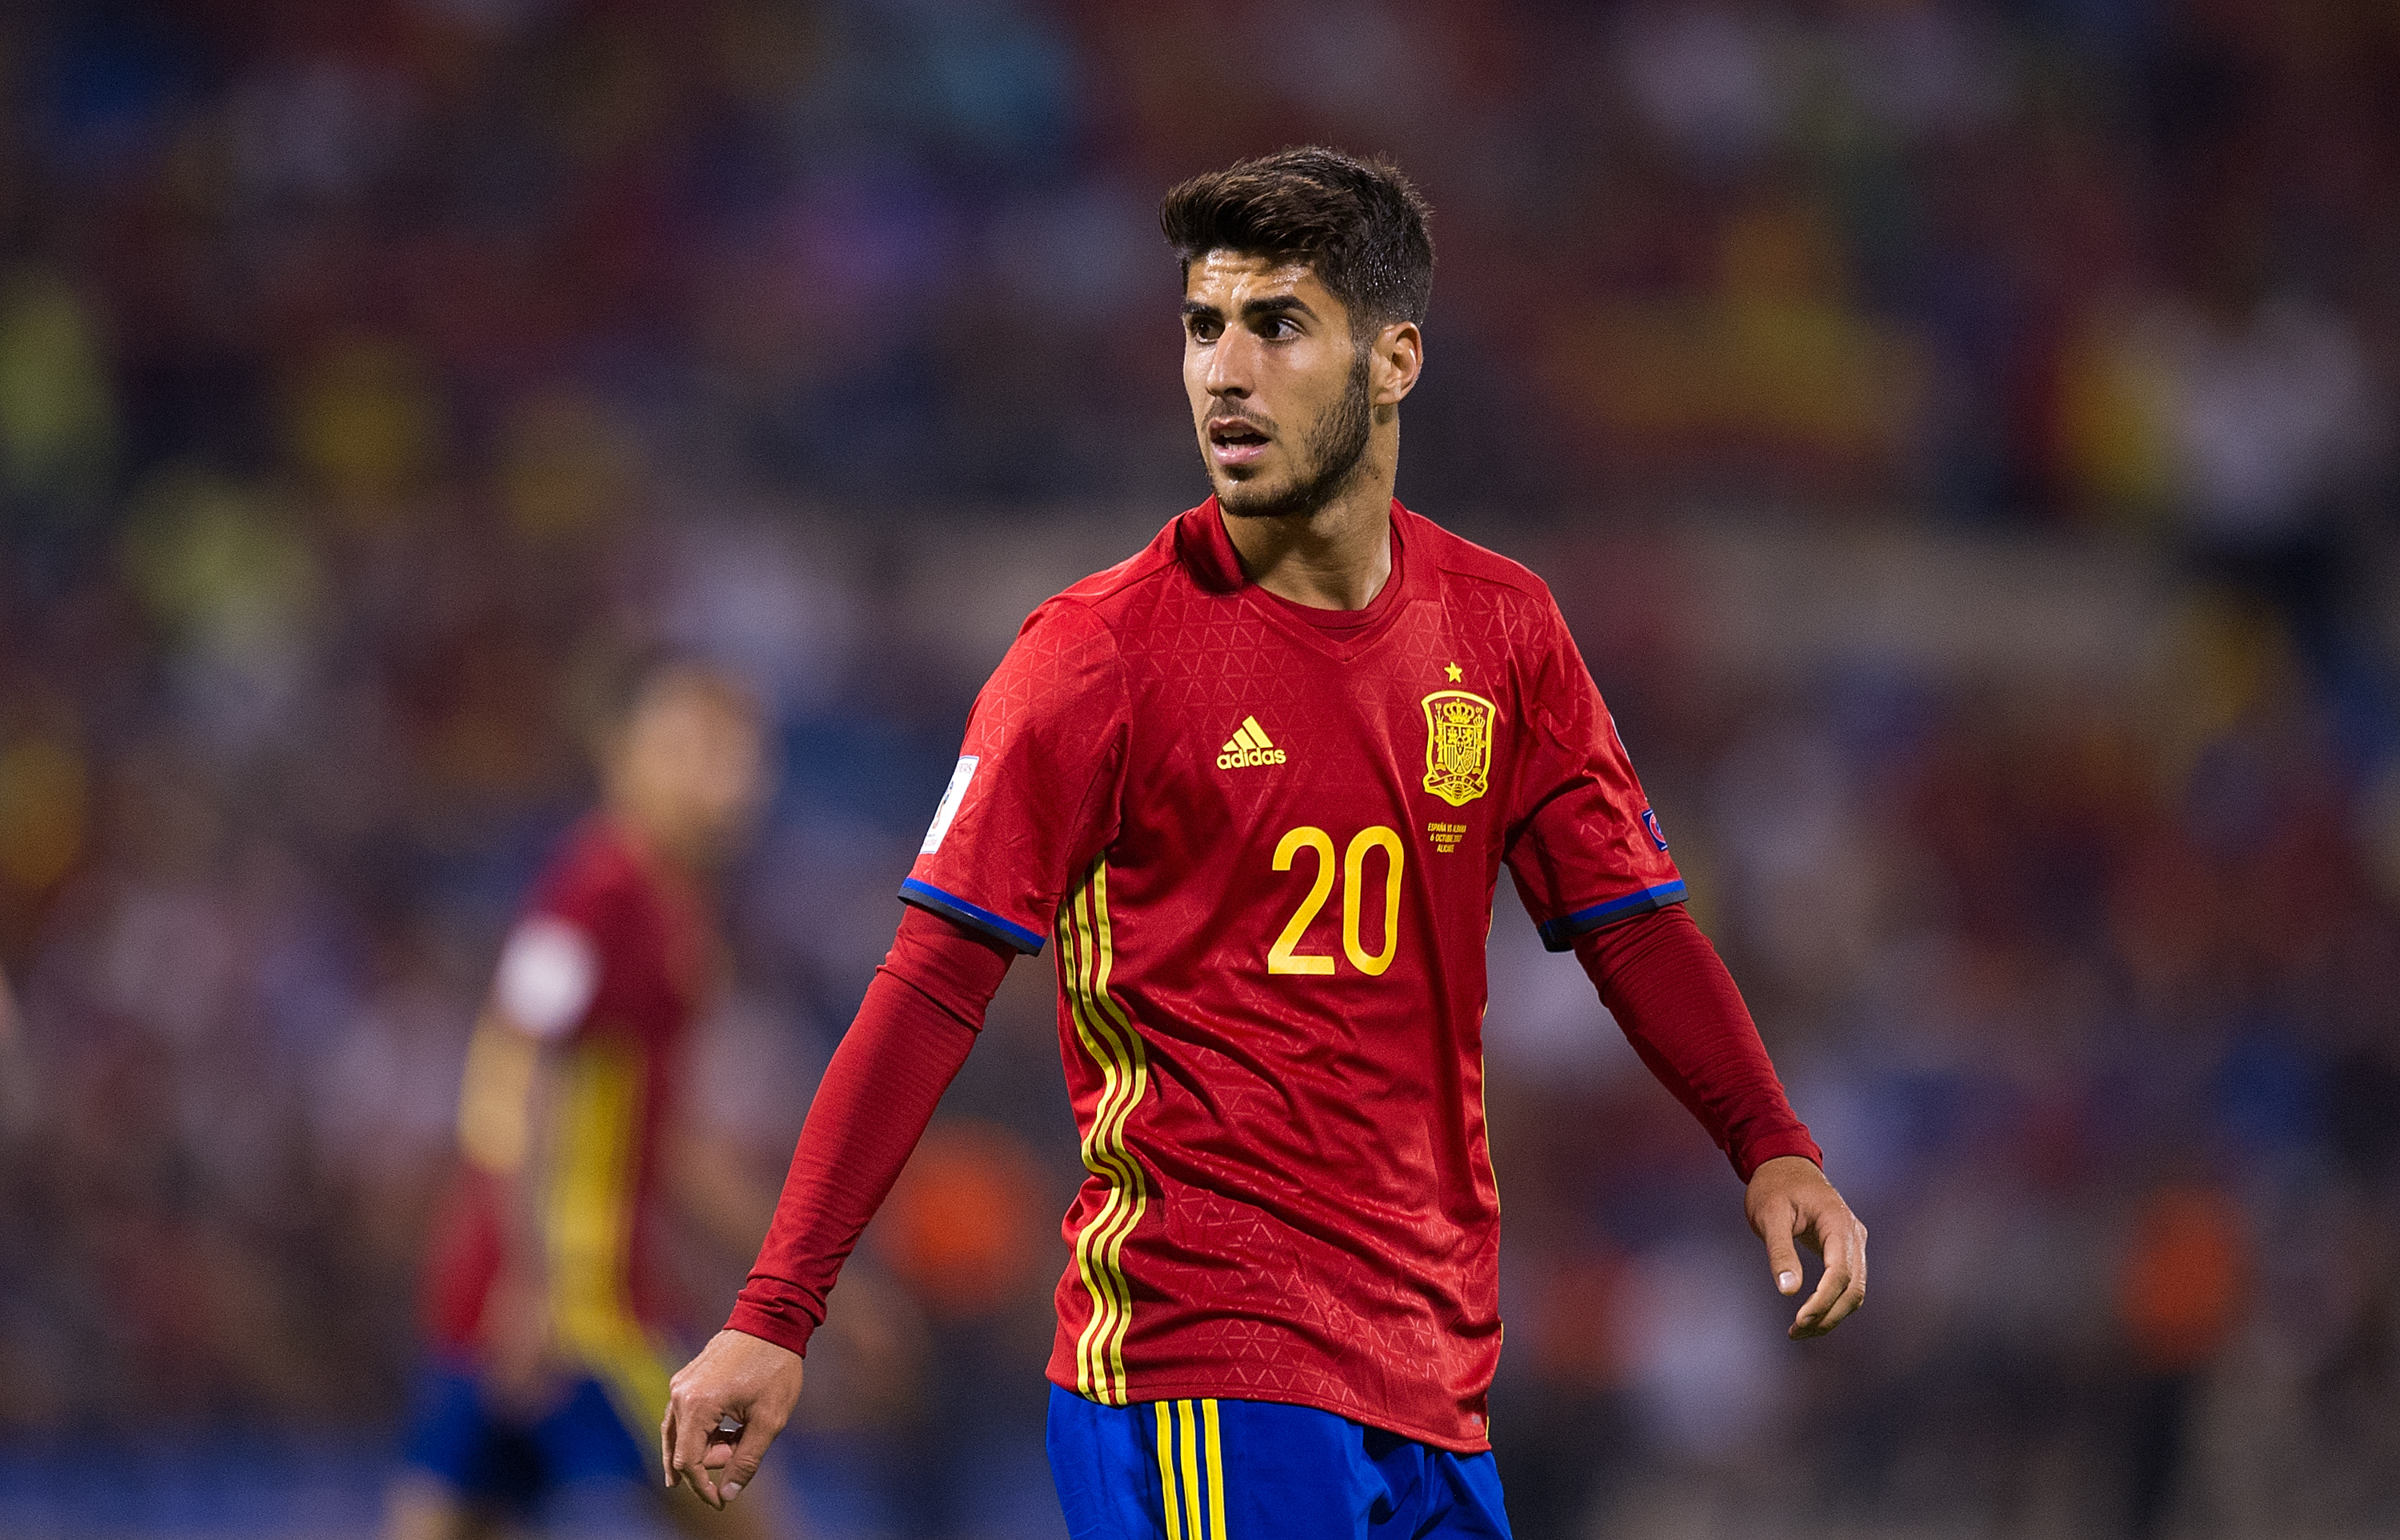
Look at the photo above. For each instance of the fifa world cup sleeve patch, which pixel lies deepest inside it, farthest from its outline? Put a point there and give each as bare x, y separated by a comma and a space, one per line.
1032, 800
548, 973
949, 808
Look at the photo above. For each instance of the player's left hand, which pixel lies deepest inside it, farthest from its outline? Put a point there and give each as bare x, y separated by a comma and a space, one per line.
754, 1383
1790, 1200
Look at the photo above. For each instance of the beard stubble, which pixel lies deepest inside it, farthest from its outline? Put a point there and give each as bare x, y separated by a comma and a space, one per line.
1335, 446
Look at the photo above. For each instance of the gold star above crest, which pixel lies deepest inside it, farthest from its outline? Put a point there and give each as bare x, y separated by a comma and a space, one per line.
1456, 673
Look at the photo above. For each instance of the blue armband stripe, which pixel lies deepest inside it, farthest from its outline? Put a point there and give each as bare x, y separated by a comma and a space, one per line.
950, 906
1559, 935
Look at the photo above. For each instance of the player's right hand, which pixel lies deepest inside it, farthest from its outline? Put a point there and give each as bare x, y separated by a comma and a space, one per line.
736, 1375
521, 1361
1789, 1200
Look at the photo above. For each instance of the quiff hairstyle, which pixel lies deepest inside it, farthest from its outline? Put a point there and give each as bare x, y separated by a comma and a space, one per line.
1359, 224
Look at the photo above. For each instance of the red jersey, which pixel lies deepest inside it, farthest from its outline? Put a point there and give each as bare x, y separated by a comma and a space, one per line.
609, 966
1266, 841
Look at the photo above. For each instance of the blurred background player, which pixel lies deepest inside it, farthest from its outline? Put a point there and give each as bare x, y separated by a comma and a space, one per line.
542, 1298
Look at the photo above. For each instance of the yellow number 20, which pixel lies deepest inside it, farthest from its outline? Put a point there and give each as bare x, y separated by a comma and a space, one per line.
1281, 958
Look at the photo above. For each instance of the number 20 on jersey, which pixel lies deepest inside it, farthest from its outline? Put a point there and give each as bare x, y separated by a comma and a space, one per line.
1285, 957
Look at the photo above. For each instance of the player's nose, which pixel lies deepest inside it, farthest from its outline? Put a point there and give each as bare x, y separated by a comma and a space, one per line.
1229, 366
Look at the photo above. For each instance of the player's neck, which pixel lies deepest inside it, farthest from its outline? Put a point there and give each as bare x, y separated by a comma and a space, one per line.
1336, 558
654, 836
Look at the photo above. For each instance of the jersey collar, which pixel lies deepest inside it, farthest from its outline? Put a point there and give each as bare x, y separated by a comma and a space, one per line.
1201, 540
1208, 553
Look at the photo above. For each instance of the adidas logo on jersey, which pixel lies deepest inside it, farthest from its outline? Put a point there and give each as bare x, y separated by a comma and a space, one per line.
1249, 745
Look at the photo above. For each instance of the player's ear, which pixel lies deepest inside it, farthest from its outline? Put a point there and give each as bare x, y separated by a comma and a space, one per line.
1395, 359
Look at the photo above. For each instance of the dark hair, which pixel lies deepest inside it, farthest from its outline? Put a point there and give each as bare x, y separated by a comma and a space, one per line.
1358, 224
618, 683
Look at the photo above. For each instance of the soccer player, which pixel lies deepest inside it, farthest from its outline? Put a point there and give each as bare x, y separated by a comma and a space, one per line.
548, 1373
1256, 786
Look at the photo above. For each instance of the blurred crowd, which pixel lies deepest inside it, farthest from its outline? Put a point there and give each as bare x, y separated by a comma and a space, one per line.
1961, 435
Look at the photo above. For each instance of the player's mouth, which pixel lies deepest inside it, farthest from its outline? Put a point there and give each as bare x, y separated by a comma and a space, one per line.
1234, 443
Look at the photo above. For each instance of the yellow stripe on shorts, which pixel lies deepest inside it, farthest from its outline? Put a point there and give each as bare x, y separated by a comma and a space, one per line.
1190, 1470
1167, 1472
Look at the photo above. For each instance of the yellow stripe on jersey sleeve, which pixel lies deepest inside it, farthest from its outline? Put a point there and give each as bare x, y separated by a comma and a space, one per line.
1107, 1033
1074, 973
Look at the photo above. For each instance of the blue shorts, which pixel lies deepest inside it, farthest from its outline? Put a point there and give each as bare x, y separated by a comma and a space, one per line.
493, 1459
1250, 1470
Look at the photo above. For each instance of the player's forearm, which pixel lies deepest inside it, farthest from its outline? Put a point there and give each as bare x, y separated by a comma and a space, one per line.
879, 1093
1670, 991
505, 1125
912, 1033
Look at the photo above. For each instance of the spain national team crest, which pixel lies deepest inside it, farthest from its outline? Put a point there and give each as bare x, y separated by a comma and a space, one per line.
1458, 745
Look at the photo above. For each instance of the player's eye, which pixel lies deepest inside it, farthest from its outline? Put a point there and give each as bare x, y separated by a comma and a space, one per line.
1278, 329
1202, 329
